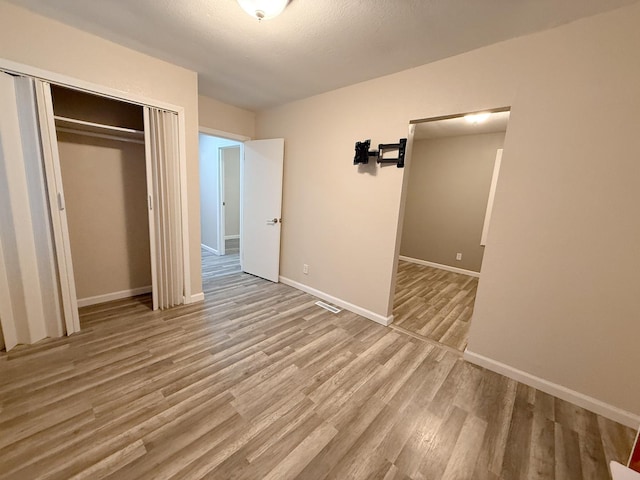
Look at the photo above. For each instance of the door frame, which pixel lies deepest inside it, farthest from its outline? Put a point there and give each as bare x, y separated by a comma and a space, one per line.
105, 91
238, 138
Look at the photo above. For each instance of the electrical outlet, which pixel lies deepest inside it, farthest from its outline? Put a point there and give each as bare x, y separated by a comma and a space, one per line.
458, 256
305, 269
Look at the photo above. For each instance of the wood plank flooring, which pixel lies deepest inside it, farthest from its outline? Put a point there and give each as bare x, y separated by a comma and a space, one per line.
259, 383
434, 304
214, 266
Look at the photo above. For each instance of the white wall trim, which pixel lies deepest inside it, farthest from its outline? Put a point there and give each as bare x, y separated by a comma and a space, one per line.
198, 297
78, 84
209, 249
232, 237
223, 134
184, 197
597, 406
108, 297
386, 321
449, 268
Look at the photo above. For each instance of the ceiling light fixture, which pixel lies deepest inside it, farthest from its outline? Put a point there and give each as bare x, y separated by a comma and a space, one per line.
263, 9
475, 118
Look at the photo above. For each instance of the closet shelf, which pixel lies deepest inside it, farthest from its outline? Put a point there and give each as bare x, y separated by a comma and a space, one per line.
81, 127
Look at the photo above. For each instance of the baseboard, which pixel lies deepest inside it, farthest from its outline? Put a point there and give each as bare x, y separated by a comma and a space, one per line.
232, 237
597, 406
198, 297
386, 321
209, 249
108, 297
449, 268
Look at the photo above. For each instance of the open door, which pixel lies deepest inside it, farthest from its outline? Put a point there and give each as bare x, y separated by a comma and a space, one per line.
262, 207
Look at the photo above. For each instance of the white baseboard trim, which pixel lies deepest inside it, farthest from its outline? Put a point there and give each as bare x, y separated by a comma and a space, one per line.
108, 297
232, 237
597, 406
386, 321
449, 268
209, 249
198, 297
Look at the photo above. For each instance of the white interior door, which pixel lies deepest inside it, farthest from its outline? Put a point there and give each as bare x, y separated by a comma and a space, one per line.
262, 207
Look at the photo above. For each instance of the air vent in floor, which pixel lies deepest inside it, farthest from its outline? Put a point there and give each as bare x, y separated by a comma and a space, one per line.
326, 306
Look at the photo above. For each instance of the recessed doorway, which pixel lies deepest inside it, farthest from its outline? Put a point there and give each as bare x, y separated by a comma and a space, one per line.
220, 167
453, 174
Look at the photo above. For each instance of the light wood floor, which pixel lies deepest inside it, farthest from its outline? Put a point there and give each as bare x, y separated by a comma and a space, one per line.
258, 382
214, 266
434, 303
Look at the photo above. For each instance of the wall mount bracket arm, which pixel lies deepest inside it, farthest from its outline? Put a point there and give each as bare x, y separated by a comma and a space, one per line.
401, 147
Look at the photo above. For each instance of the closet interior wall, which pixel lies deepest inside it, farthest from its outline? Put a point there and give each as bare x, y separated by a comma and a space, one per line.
104, 180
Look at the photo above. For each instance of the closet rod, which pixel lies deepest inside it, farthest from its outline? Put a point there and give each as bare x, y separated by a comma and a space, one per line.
99, 135
83, 123
81, 127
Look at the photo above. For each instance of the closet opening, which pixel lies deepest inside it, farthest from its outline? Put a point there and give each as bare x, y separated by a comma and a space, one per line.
101, 146
98, 181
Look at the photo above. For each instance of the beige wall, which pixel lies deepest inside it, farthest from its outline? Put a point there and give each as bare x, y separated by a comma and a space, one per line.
447, 199
559, 295
226, 118
106, 201
40, 42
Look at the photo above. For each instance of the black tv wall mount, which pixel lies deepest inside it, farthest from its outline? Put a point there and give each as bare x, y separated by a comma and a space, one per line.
363, 153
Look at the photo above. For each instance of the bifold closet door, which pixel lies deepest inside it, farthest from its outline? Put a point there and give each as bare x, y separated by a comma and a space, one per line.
30, 291
53, 174
165, 208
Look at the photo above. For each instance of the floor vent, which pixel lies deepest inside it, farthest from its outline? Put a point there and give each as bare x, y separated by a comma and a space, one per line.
326, 306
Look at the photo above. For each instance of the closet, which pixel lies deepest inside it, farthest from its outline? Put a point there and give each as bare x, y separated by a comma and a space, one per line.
102, 159
92, 205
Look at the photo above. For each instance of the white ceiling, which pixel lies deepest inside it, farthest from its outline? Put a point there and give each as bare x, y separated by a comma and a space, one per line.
453, 127
314, 46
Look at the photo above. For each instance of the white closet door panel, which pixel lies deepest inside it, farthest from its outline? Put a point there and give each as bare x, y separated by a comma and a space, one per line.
39, 206
57, 206
14, 309
29, 293
161, 132
148, 146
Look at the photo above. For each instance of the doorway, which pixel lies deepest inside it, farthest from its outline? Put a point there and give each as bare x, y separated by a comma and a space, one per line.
449, 195
220, 168
240, 205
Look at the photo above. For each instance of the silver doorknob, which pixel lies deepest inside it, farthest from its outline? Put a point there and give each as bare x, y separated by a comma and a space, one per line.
272, 222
